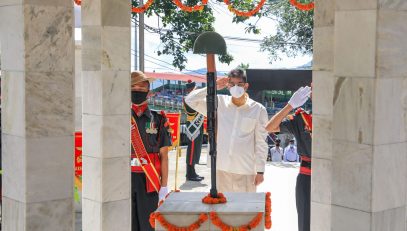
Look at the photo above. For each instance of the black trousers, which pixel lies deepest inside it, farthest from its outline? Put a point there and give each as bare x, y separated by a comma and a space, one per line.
142, 203
303, 199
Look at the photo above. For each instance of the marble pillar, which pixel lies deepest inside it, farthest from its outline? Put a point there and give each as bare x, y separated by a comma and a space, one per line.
323, 82
360, 176
78, 86
106, 115
37, 57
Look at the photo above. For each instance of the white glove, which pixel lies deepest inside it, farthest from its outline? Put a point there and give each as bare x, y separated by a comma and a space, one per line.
300, 97
163, 192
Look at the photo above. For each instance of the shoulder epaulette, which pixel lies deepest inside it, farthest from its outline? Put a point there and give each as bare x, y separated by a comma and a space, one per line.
163, 114
299, 111
166, 124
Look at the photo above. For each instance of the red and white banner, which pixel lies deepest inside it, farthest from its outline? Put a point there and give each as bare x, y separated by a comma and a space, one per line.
175, 124
78, 154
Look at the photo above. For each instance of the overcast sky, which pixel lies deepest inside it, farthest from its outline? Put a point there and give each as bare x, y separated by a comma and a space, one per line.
242, 51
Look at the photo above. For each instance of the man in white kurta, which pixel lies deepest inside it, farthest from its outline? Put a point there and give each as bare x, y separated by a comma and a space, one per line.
241, 134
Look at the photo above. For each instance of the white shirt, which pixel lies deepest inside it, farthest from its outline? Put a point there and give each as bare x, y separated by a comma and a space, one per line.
276, 154
241, 134
290, 154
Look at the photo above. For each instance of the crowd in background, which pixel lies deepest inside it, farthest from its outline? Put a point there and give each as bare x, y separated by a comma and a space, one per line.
278, 152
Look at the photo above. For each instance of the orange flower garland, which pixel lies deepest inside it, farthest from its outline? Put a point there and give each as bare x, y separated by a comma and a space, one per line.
242, 13
142, 8
170, 227
267, 214
303, 6
221, 199
78, 2
225, 227
190, 8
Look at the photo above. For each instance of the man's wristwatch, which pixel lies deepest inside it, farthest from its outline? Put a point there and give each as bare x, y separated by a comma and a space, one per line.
261, 173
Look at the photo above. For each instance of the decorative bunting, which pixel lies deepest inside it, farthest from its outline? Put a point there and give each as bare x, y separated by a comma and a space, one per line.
247, 13
302, 6
190, 8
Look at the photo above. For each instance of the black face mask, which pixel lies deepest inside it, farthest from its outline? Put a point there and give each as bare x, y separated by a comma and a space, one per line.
137, 97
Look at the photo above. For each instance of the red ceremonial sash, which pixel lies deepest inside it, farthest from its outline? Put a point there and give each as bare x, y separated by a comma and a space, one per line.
151, 169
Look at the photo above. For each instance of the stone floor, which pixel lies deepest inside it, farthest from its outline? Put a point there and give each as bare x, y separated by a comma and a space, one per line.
280, 180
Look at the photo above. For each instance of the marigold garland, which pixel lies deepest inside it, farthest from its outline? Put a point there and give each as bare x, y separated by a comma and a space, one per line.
142, 8
267, 214
302, 6
225, 227
221, 199
190, 8
242, 13
170, 227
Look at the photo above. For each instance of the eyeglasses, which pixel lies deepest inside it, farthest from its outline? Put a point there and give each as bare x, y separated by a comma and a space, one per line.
241, 84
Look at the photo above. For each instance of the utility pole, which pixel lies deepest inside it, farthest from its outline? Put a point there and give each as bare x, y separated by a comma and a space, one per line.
135, 43
141, 39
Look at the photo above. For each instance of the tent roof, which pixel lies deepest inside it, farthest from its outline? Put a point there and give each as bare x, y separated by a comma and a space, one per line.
178, 77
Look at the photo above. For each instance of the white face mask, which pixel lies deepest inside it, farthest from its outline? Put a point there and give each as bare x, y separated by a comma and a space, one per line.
236, 91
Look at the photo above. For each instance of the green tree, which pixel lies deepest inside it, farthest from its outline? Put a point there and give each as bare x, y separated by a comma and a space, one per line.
294, 31
294, 27
179, 29
244, 66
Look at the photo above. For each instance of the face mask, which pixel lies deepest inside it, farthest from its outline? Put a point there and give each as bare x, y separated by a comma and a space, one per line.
137, 97
291, 145
236, 91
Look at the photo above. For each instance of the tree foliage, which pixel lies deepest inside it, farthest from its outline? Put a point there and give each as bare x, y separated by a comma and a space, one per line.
294, 31
294, 28
178, 29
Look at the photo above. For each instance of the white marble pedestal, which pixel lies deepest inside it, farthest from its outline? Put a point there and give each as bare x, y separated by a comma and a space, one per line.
184, 208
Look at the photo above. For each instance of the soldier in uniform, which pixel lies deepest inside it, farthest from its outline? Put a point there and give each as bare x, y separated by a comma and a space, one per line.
150, 140
194, 134
299, 125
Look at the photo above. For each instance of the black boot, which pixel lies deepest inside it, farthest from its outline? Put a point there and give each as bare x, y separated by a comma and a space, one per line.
194, 173
191, 175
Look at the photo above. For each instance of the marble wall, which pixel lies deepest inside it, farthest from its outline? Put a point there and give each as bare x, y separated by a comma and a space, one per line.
78, 86
37, 59
360, 143
106, 114
323, 94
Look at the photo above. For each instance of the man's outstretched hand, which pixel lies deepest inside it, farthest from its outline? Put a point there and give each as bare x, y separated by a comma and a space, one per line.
300, 97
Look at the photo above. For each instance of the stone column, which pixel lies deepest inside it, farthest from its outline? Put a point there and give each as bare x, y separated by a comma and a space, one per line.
323, 83
366, 175
106, 114
37, 56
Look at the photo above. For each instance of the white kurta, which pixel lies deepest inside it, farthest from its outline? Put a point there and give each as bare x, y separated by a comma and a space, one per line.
241, 134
